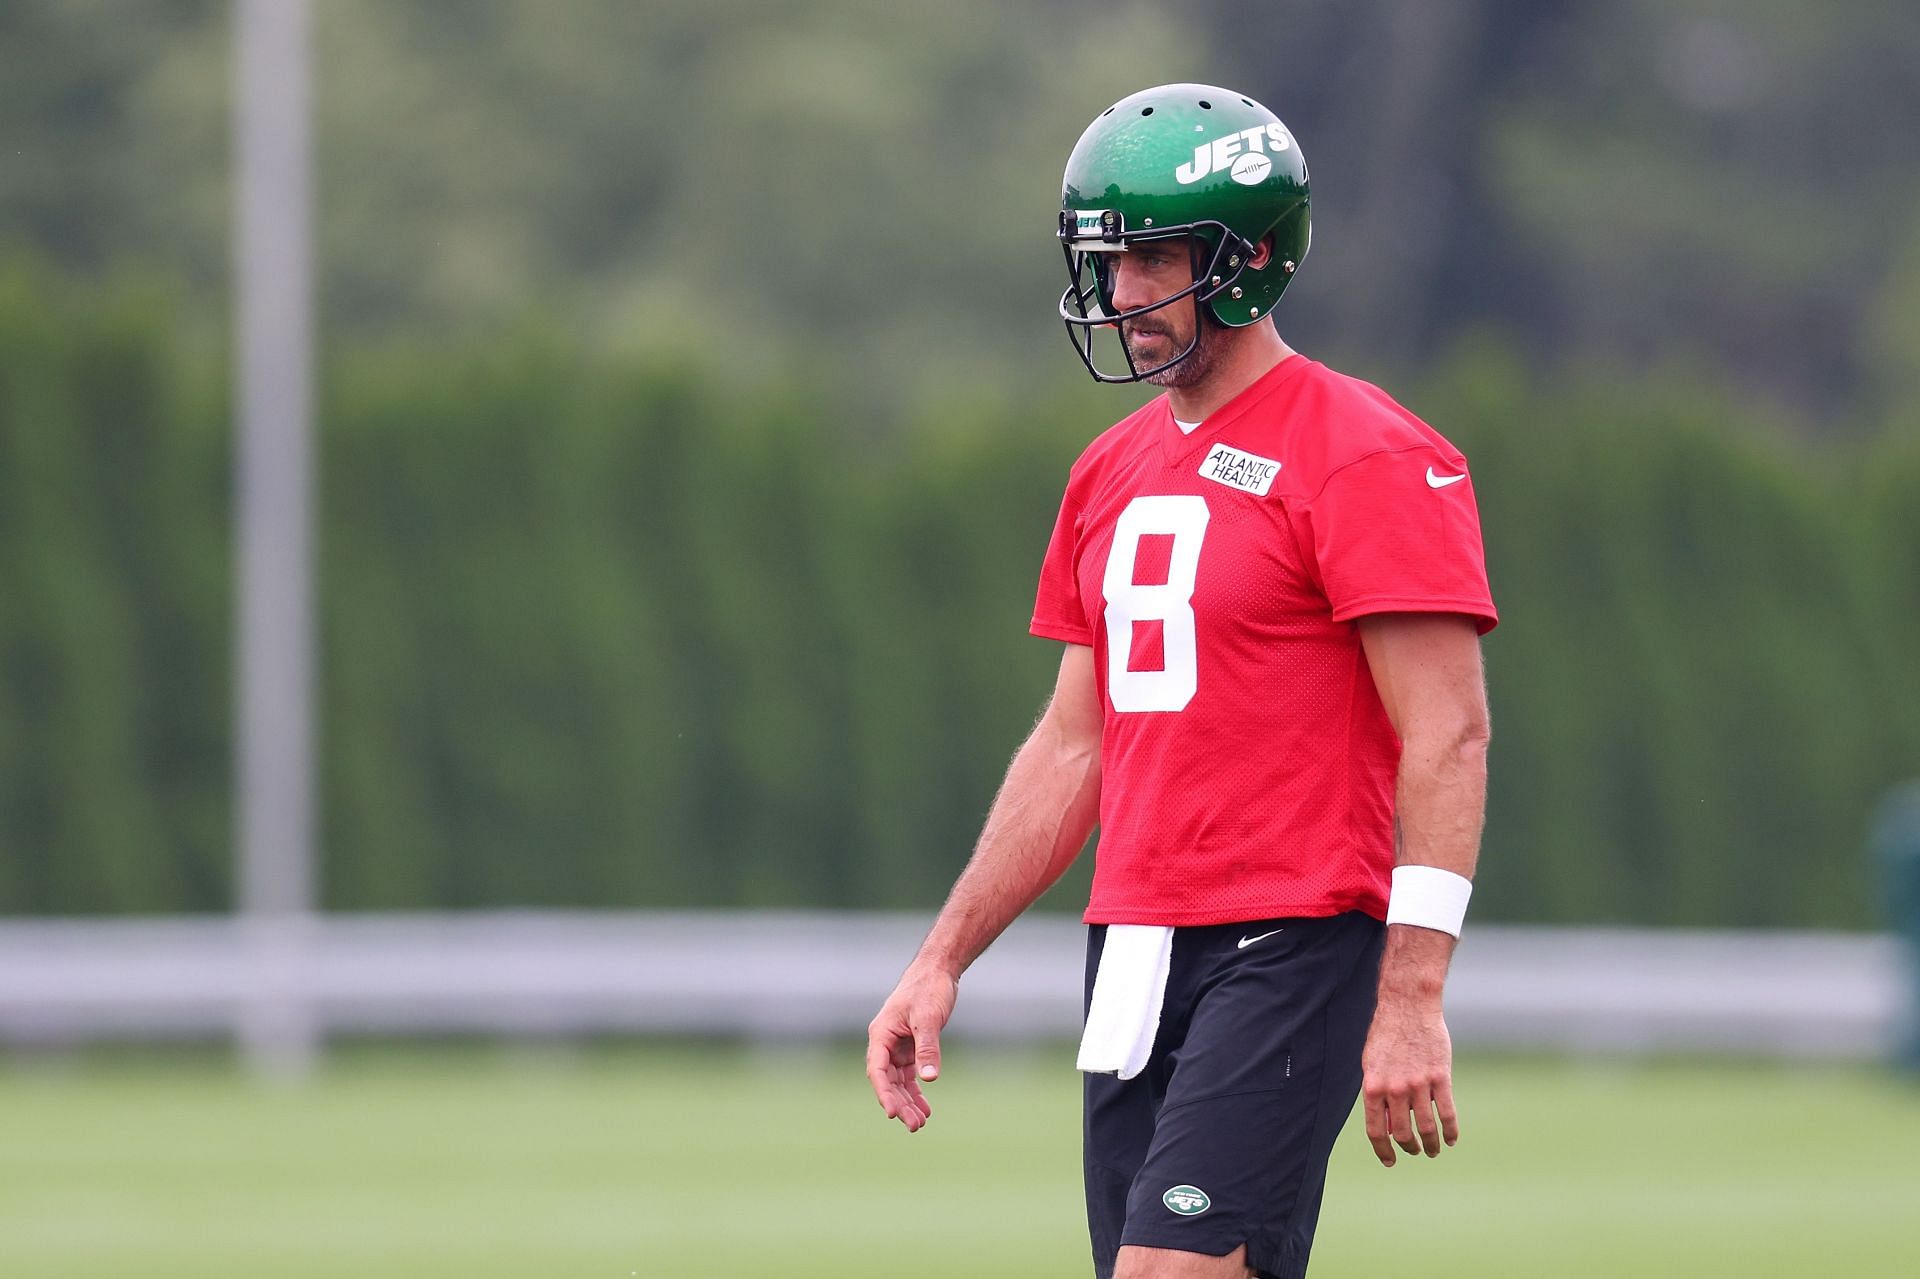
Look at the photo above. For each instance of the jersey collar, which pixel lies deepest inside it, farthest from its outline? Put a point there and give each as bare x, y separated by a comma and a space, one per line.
1254, 394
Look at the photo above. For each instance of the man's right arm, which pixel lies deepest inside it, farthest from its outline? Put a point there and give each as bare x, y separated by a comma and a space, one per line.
1040, 820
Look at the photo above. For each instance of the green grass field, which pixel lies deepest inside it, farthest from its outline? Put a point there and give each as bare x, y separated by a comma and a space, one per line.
473, 1163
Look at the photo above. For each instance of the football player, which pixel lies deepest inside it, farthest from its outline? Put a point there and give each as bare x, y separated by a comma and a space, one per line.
1270, 587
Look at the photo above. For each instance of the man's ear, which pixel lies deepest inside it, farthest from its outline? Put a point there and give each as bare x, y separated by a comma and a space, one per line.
1262, 254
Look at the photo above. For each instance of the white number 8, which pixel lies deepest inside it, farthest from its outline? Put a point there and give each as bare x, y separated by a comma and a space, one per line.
1184, 517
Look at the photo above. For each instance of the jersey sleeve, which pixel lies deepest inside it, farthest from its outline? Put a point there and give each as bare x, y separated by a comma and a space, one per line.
1398, 531
1057, 610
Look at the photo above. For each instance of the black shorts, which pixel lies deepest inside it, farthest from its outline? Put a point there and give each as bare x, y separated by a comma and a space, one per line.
1223, 1139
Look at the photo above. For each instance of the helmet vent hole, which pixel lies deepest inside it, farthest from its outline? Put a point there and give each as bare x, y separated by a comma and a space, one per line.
1205, 105
1248, 101
1146, 110
1108, 111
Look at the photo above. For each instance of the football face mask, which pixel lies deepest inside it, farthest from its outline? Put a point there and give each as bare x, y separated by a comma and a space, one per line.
1087, 305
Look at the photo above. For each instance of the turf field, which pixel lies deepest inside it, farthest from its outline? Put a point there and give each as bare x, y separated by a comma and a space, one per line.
690, 1164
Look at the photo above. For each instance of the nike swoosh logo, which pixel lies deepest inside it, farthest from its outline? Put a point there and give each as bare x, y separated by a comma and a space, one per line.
1248, 941
1441, 481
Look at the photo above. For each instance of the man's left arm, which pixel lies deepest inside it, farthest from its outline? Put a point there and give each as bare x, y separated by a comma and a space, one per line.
1427, 668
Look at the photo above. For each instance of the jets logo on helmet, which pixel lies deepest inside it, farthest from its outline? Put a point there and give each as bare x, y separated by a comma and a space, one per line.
1182, 161
1248, 144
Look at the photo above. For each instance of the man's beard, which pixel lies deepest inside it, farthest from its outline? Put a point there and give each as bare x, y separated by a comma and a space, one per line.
1194, 368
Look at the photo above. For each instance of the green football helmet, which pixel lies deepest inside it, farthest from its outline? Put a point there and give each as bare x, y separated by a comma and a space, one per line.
1182, 160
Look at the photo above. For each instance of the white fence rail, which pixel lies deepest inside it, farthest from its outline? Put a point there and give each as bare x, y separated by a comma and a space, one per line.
786, 975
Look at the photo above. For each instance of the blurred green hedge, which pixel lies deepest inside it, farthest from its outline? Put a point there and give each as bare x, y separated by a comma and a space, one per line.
601, 635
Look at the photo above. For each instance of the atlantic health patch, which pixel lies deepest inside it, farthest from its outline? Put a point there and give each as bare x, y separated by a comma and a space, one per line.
1227, 465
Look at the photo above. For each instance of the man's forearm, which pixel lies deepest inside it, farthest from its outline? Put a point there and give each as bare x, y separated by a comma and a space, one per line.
1441, 805
1040, 820
1442, 801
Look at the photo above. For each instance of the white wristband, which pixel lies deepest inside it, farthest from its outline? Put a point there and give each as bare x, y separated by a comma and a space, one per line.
1428, 897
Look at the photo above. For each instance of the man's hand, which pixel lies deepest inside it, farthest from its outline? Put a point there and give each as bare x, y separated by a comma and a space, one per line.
903, 1043
1408, 1075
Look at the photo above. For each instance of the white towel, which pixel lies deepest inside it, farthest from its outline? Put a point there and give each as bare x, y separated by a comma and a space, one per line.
1128, 991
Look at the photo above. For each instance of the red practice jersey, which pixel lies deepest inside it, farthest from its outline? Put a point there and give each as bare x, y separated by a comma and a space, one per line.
1247, 764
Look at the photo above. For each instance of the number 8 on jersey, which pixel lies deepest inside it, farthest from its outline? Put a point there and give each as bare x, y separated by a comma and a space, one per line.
1184, 518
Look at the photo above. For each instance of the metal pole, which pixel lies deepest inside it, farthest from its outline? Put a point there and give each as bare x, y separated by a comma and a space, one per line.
274, 639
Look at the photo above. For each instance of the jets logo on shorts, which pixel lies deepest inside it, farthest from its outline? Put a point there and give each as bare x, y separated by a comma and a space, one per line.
1188, 1201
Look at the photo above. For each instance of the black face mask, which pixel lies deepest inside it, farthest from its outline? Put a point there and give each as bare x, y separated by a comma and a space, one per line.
1087, 303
